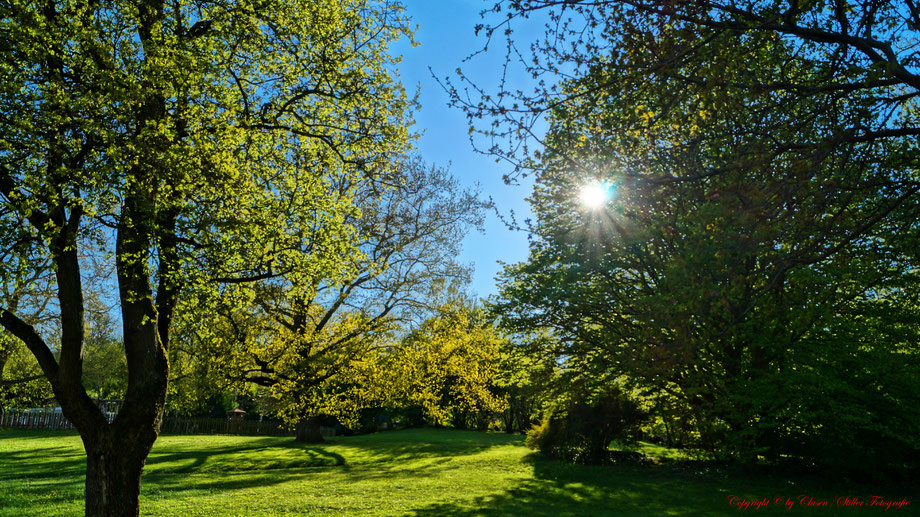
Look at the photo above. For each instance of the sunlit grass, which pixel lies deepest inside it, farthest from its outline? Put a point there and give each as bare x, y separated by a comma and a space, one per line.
413, 472
663, 453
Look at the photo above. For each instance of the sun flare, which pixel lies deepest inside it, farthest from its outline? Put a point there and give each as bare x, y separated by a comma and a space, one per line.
595, 195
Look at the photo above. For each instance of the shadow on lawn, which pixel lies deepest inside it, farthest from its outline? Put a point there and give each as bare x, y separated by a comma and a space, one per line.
273, 453
561, 490
36, 434
42, 463
681, 489
251, 455
257, 461
270, 461
403, 446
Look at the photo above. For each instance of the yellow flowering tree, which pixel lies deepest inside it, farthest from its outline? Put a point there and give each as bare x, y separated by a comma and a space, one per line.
448, 367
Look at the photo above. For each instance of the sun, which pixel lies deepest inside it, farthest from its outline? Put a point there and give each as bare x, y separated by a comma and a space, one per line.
595, 195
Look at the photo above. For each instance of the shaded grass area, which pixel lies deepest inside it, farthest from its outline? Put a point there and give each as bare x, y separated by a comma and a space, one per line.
413, 472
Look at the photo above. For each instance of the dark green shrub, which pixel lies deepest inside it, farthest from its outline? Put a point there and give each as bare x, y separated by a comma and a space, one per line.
584, 429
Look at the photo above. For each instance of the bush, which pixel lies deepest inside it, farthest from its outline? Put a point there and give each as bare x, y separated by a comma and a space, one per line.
583, 432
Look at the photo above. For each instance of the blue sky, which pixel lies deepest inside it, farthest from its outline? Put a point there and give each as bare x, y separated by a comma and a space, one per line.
446, 37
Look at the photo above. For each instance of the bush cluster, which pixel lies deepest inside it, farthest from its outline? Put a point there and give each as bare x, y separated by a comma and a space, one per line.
586, 426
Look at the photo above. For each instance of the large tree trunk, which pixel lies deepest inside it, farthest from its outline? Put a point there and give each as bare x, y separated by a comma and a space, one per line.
116, 452
113, 477
307, 431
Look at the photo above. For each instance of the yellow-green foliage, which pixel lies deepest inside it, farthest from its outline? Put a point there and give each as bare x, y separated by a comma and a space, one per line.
315, 340
335, 371
448, 367
538, 434
222, 126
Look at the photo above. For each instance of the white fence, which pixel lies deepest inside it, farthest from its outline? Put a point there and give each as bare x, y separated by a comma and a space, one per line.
34, 419
51, 419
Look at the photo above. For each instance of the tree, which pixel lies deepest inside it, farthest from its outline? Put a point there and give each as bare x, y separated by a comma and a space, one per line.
447, 367
193, 142
22, 384
524, 378
315, 340
760, 163
854, 58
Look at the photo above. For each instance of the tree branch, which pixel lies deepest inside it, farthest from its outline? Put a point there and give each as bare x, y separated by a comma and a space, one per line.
27, 334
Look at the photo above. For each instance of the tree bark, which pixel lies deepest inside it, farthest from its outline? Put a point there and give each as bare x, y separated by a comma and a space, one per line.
509, 417
113, 475
307, 431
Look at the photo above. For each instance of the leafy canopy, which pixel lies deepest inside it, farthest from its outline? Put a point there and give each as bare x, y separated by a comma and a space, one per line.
762, 161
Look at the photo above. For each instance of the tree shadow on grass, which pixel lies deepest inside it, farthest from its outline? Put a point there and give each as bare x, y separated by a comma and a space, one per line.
567, 490
41, 462
253, 462
43, 434
288, 458
681, 488
270, 461
274, 453
233, 468
41, 477
243, 457
220, 481
408, 452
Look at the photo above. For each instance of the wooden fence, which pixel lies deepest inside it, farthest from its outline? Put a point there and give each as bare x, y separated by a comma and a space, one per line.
49, 419
33, 419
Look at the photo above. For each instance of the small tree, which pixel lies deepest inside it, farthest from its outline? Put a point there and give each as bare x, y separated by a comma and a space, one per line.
524, 377
22, 383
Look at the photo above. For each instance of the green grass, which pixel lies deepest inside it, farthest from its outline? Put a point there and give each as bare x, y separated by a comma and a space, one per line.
413, 472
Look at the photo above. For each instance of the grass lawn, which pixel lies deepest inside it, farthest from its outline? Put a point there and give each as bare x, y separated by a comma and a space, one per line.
413, 472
